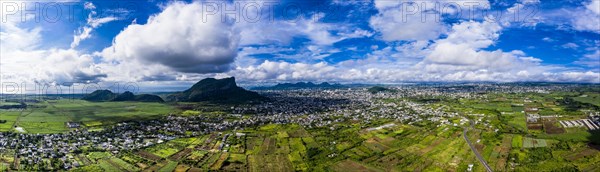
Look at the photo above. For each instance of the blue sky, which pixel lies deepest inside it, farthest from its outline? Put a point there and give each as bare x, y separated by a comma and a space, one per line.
174, 43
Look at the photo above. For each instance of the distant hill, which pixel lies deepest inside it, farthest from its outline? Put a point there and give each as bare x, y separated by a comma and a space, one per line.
377, 89
126, 96
216, 90
107, 95
301, 85
129, 96
148, 98
100, 96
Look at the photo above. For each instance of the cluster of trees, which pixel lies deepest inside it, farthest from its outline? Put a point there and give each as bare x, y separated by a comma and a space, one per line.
21, 105
572, 105
51, 165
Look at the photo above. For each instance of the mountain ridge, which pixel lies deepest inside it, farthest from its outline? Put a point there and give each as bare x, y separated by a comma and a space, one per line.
216, 90
300, 85
109, 96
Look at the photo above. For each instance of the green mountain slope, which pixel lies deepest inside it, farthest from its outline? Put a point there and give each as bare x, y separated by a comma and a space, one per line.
107, 95
216, 90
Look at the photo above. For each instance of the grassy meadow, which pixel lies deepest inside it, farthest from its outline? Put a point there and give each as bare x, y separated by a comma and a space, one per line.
50, 116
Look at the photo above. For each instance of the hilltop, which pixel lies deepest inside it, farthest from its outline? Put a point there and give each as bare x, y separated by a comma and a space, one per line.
107, 95
216, 90
100, 96
377, 89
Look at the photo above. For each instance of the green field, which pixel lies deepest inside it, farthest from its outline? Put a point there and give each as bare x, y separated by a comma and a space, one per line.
169, 167
51, 116
533, 143
517, 141
107, 166
10, 117
123, 165
589, 97
517, 120
98, 155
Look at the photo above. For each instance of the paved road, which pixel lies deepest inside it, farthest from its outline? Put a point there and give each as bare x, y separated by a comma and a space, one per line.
487, 167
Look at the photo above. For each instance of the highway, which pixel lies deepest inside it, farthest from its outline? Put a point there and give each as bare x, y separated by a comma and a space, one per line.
487, 167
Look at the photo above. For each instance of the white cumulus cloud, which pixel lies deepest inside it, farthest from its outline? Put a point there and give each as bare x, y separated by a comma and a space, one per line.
179, 39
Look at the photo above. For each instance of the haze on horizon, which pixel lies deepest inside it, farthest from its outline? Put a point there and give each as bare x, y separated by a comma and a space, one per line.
172, 44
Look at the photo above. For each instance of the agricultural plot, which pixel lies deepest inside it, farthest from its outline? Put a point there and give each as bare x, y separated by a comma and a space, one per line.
156, 167
80, 111
163, 151
349, 165
408, 149
181, 154
517, 108
499, 155
43, 127
269, 163
107, 166
161, 157
169, 167
197, 155
209, 161
123, 165
517, 120
10, 117
235, 162
4, 167
88, 168
571, 134
533, 143
551, 128
589, 97
95, 156
148, 155
517, 141
217, 165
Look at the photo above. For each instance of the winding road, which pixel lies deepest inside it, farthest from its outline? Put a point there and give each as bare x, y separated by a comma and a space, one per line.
479, 157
